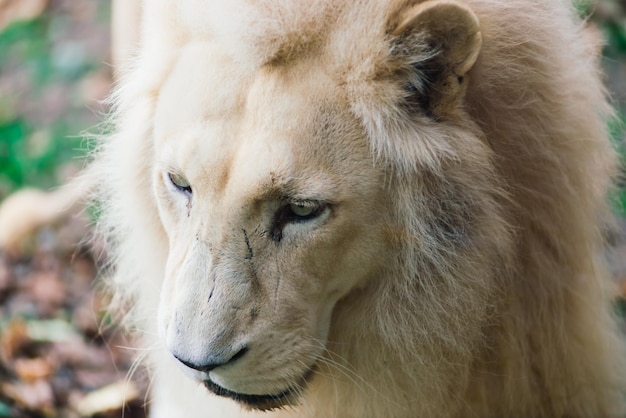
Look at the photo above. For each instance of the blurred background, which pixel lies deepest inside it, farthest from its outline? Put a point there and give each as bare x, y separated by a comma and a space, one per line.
60, 354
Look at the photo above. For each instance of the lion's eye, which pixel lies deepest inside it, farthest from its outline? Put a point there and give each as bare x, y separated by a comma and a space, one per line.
302, 211
179, 182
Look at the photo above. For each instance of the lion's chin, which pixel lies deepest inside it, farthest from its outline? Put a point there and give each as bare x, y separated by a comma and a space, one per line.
263, 402
258, 402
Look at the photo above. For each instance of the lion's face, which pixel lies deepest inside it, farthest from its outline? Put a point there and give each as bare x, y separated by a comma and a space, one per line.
266, 189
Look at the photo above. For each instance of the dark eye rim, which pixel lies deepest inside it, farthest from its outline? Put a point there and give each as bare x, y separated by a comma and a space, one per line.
181, 188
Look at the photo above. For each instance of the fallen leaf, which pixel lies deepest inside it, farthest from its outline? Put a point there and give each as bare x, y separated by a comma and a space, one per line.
13, 337
51, 330
48, 291
108, 398
33, 395
33, 369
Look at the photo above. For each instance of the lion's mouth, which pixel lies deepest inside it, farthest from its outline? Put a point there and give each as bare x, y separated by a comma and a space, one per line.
263, 402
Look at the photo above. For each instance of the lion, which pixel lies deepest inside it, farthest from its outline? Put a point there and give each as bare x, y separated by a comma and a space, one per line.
374, 208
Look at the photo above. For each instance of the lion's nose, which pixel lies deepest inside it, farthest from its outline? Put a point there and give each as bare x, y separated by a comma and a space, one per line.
214, 362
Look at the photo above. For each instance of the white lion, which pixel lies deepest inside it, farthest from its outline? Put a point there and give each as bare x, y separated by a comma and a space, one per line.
365, 208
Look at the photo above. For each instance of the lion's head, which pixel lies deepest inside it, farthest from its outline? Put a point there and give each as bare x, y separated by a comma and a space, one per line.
275, 210
275, 195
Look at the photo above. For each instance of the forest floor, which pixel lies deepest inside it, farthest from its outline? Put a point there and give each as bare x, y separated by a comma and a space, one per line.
61, 354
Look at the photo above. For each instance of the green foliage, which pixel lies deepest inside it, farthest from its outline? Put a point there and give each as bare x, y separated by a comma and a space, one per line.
611, 22
614, 30
583, 7
5, 411
613, 25
29, 157
25, 42
31, 152
616, 35
617, 129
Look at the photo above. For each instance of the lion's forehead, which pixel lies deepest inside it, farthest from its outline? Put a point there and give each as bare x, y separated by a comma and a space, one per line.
241, 130
203, 85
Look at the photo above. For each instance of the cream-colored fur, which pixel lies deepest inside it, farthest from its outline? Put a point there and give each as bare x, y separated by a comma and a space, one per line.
125, 29
366, 209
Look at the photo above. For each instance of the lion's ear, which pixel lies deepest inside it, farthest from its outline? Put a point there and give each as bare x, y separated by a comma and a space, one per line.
436, 43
